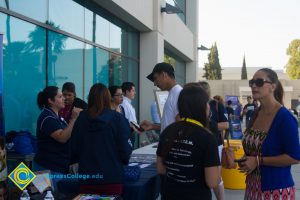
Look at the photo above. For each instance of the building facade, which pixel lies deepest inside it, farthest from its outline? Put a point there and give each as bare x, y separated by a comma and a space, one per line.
49, 42
241, 89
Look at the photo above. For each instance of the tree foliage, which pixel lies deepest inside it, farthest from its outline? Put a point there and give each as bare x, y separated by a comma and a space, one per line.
244, 75
213, 69
293, 66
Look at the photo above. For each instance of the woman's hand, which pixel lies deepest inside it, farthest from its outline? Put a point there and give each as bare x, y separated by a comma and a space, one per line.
75, 113
249, 165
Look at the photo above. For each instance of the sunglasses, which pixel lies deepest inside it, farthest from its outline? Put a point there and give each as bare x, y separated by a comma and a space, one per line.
258, 82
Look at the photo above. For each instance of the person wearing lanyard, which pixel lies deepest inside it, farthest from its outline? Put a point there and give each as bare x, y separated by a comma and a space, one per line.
187, 152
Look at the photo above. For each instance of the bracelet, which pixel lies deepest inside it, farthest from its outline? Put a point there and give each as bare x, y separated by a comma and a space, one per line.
261, 160
257, 160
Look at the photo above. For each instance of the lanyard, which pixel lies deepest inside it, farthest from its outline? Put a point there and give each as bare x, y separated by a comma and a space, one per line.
193, 121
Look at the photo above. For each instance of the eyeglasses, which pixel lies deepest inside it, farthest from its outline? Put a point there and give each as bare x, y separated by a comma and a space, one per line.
259, 82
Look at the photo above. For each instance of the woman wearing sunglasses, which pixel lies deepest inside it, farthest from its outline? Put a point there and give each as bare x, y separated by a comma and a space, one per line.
271, 142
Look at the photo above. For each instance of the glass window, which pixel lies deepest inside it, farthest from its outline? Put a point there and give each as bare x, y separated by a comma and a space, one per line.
65, 61
133, 74
35, 9
132, 47
67, 16
2, 4
179, 66
96, 68
117, 70
101, 30
115, 37
24, 72
181, 4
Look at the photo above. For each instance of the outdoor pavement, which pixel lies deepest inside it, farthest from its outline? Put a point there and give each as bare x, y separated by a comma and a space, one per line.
239, 194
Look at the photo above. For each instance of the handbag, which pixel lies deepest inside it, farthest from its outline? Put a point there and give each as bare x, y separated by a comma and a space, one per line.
228, 156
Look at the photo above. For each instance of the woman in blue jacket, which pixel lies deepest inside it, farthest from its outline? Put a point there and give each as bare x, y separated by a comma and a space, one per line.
101, 145
271, 142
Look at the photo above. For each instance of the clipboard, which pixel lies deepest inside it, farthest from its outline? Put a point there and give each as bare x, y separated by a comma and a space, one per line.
160, 98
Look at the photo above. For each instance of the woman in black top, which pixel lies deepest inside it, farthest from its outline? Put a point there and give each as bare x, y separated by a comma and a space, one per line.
187, 153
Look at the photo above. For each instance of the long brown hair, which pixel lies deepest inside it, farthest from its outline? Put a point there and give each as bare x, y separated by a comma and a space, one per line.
99, 98
272, 75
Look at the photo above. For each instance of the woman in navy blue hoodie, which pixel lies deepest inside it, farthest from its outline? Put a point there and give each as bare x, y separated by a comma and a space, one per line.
100, 144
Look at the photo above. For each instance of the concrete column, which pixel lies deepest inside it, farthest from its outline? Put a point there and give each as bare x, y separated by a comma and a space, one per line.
151, 52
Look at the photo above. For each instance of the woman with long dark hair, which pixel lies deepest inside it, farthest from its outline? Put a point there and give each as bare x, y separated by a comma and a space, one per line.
53, 133
271, 142
100, 144
187, 154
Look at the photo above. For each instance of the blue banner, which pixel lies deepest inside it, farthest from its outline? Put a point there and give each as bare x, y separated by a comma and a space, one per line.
2, 133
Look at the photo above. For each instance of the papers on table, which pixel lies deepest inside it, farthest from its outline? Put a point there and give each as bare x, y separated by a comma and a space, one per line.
139, 164
93, 197
42, 181
142, 158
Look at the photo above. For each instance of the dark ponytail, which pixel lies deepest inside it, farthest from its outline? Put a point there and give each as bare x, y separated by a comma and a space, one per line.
272, 75
278, 93
48, 93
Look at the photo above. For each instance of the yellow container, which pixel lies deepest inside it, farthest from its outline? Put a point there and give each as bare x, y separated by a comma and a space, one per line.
232, 178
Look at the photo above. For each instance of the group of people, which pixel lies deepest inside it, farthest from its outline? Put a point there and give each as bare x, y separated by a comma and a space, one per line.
97, 137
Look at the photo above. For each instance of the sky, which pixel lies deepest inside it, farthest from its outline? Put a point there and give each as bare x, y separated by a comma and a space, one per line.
259, 29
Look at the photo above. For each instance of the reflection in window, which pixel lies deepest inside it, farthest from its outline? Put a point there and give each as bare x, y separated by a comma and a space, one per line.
115, 37
24, 72
96, 67
35, 9
130, 45
65, 61
133, 74
68, 15
179, 66
100, 34
181, 4
116, 70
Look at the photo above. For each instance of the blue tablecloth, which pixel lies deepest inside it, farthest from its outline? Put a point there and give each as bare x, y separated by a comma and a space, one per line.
146, 188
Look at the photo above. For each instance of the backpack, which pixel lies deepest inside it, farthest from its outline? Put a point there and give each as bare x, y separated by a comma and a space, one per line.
23, 142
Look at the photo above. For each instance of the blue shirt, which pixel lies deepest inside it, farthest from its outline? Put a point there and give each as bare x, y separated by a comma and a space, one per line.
282, 138
218, 114
51, 154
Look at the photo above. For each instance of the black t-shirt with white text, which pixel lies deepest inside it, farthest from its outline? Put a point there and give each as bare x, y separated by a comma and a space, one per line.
193, 149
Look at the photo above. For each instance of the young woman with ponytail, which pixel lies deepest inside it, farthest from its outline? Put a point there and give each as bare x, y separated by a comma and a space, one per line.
271, 142
53, 133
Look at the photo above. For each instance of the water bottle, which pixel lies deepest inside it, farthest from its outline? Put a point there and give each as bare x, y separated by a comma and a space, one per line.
49, 196
25, 195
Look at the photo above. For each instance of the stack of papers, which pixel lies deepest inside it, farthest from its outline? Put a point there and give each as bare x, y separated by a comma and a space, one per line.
93, 197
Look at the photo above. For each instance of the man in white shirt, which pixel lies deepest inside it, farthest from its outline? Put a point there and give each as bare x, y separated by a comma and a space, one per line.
128, 89
163, 76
